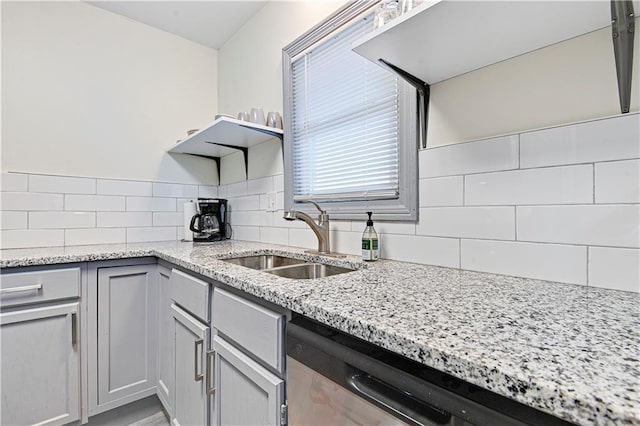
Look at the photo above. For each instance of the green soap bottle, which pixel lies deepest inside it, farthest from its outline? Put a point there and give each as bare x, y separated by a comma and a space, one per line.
370, 247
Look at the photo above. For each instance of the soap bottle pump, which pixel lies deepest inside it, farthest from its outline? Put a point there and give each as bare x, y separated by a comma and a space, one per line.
370, 247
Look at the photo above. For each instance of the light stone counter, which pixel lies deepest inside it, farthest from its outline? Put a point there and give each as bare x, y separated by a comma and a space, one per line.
572, 351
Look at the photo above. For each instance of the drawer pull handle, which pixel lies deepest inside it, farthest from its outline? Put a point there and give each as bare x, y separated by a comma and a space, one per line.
74, 329
197, 376
209, 389
35, 287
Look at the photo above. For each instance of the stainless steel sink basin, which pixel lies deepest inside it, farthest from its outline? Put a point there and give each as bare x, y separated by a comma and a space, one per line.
265, 261
308, 271
287, 267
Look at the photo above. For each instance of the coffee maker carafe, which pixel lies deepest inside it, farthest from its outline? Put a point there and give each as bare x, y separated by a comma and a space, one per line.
210, 223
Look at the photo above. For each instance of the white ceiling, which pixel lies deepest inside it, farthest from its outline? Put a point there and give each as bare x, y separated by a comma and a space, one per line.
210, 23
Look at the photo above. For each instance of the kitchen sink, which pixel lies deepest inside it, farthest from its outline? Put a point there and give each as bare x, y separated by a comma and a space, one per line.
264, 261
288, 267
308, 271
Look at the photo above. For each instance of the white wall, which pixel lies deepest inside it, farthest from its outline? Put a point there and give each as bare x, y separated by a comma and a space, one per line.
250, 73
89, 93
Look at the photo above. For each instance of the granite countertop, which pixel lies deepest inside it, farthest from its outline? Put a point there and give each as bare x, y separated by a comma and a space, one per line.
568, 350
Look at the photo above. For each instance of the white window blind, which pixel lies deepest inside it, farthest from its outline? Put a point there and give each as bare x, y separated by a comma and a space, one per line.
344, 122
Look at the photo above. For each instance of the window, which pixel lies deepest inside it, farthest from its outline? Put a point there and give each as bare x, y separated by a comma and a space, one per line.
350, 137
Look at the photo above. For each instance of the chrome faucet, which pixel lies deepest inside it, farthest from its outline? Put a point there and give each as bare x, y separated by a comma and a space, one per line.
321, 229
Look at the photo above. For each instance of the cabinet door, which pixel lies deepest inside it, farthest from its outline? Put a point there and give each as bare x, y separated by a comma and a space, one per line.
246, 393
127, 334
165, 340
40, 368
190, 342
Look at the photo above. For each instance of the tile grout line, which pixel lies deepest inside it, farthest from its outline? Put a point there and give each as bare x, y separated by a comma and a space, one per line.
593, 170
587, 276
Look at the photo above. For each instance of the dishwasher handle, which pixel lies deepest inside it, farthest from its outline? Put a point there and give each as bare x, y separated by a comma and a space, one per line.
409, 409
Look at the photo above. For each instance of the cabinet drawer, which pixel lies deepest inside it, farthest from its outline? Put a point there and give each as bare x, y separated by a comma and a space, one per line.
257, 329
191, 293
19, 288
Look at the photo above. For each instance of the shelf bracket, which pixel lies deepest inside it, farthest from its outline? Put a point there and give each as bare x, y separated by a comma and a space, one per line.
245, 153
278, 135
424, 93
622, 29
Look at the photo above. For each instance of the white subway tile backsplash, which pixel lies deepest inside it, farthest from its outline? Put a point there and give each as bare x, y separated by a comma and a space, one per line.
140, 235
78, 237
61, 220
600, 140
260, 186
280, 200
124, 187
472, 198
278, 183
346, 242
303, 238
487, 155
618, 182
27, 238
551, 185
441, 192
430, 250
274, 235
540, 261
123, 219
402, 228
468, 222
13, 220
61, 184
246, 233
207, 191
93, 203
600, 225
167, 219
151, 204
249, 202
28, 201
175, 190
238, 189
617, 269
14, 182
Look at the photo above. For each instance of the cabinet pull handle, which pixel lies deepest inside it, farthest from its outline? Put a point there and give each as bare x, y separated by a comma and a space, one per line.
210, 390
197, 376
74, 329
36, 287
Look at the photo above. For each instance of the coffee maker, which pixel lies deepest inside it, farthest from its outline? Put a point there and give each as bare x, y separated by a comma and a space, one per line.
210, 223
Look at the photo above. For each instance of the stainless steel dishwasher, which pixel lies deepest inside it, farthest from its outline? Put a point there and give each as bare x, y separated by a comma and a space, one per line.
336, 379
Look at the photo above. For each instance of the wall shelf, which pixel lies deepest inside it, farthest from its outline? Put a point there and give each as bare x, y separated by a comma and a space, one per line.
442, 39
225, 136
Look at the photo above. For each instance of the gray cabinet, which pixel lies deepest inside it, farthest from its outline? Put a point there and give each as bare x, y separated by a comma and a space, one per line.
126, 342
190, 404
246, 392
40, 340
165, 339
40, 365
249, 361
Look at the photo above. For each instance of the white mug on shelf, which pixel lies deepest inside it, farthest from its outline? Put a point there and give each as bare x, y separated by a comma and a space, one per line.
274, 120
257, 116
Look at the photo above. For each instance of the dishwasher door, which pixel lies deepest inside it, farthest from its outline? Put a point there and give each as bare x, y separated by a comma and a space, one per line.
314, 399
336, 379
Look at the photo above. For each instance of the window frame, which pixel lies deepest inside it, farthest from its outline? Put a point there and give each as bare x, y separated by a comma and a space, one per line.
405, 207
